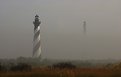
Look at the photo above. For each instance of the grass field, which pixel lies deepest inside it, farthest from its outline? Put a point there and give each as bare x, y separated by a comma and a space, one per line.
78, 72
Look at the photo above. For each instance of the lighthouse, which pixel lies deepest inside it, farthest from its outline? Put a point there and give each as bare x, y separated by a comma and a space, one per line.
36, 39
84, 27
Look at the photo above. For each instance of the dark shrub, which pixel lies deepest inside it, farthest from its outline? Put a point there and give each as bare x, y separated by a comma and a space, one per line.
0, 67
64, 65
3, 68
21, 67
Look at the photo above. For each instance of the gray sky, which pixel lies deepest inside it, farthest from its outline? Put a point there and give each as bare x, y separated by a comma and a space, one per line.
62, 28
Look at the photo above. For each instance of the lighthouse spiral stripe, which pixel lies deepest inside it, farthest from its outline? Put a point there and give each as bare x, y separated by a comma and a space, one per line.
36, 40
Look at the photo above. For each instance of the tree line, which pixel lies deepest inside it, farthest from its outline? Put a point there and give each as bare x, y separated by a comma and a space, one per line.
15, 67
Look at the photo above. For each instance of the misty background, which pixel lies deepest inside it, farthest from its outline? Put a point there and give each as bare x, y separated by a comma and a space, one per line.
62, 34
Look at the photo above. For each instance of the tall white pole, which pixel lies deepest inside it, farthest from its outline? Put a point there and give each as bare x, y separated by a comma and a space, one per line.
36, 39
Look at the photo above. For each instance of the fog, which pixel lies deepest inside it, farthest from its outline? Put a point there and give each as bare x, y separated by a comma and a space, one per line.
62, 35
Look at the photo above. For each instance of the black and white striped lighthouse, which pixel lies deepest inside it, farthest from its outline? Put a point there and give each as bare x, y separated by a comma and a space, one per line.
36, 39
84, 26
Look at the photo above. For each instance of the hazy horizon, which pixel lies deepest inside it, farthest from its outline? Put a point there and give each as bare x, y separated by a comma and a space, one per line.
62, 34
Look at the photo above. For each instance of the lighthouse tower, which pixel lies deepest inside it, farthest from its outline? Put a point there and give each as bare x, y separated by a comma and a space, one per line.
36, 39
84, 26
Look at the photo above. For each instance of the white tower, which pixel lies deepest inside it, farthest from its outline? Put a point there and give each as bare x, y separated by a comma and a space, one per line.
84, 26
36, 39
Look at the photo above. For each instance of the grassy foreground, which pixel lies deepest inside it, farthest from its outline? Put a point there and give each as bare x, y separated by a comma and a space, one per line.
78, 72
